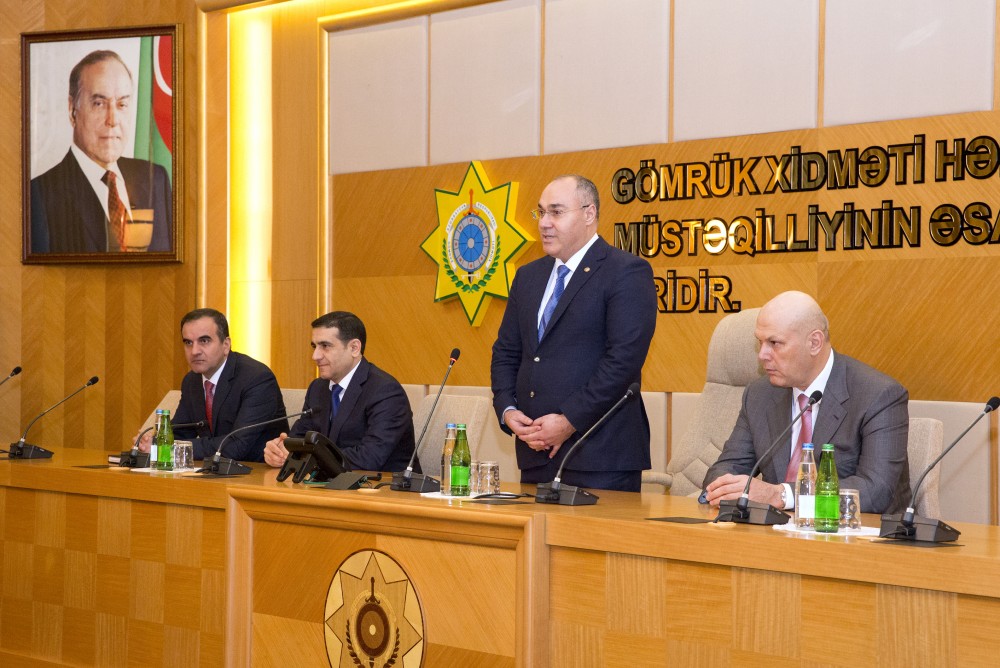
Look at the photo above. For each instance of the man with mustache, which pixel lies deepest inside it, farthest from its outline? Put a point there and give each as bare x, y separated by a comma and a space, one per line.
225, 389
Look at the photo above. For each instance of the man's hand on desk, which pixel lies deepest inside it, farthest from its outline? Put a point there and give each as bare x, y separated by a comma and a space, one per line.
275, 453
145, 441
731, 486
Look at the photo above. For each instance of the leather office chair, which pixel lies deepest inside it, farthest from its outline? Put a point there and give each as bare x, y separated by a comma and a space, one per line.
925, 440
732, 365
293, 400
458, 408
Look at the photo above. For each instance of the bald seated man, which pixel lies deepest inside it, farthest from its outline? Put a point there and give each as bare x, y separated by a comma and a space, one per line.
863, 413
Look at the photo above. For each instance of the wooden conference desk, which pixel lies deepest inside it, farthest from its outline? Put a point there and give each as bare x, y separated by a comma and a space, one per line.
117, 568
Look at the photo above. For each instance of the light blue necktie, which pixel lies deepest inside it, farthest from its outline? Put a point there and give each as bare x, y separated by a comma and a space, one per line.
553, 300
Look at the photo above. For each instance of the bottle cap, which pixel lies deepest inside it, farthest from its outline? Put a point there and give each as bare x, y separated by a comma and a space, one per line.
450, 425
460, 426
828, 447
807, 446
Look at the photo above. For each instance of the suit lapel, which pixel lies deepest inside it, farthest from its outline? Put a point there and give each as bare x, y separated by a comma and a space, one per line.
222, 390
350, 399
778, 416
588, 265
832, 409
93, 221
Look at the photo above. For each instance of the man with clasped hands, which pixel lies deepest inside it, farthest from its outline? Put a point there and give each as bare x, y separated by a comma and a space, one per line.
574, 337
863, 413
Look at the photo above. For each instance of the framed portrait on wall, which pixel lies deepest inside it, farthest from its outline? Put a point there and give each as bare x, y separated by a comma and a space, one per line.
100, 146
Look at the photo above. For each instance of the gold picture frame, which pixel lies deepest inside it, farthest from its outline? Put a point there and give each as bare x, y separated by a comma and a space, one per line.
101, 146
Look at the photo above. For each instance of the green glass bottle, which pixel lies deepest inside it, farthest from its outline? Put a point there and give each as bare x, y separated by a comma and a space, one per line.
827, 493
164, 460
461, 461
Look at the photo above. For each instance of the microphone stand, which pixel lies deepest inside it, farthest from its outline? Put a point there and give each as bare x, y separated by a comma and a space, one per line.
408, 481
912, 527
224, 466
22, 450
16, 370
570, 495
745, 511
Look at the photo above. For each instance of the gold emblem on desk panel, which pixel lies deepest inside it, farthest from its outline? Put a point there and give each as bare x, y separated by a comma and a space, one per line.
373, 616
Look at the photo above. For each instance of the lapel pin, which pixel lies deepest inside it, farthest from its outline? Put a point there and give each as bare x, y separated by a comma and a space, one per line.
586, 269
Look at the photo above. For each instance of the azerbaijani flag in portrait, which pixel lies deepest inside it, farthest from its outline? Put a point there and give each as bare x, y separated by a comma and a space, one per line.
154, 115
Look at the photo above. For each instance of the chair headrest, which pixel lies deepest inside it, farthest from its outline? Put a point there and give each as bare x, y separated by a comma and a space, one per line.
732, 352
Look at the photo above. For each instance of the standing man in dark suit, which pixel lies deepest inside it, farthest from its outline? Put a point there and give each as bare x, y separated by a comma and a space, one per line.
863, 413
85, 203
574, 336
358, 406
225, 389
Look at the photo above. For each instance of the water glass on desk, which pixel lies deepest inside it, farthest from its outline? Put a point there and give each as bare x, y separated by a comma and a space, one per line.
850, 509
474, 477
489, 477
183, 456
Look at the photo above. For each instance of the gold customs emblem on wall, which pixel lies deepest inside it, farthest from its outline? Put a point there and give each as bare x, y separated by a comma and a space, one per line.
373, 615
476, 242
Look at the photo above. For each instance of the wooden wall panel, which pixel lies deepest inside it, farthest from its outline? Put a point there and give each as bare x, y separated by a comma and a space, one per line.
917, 312
66, 323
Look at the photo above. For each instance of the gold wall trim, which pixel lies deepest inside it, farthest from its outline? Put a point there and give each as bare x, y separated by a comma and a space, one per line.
225, 5
396, 11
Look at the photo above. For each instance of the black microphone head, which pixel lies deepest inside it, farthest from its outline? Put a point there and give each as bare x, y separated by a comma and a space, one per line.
455, 352
16, 370
992, 404
815, 397
93, 381
633, 390
309, 411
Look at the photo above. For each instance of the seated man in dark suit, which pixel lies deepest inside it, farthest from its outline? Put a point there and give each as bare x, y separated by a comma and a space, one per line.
358, 406
88, 202
225, 389
863, 413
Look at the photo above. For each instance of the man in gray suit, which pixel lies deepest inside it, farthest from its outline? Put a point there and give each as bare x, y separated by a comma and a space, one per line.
863, 413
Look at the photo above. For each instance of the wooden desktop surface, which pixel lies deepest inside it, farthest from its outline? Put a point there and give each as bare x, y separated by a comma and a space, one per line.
110, 567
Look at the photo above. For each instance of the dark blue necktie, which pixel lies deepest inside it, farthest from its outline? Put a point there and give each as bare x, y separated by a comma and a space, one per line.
553, 300
334, 401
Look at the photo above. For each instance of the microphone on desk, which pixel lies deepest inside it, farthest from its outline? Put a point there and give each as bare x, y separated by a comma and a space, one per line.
912, 527
16, 370
134, 459
220, 465
408, 481
22, 450
569, 495
745, 511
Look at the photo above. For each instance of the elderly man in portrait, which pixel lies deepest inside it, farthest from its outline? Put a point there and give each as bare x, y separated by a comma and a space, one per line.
87, 202
863, 413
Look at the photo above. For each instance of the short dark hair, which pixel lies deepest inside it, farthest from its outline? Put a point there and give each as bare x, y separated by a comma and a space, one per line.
349, 326
221, 324
586, 191
91, 58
